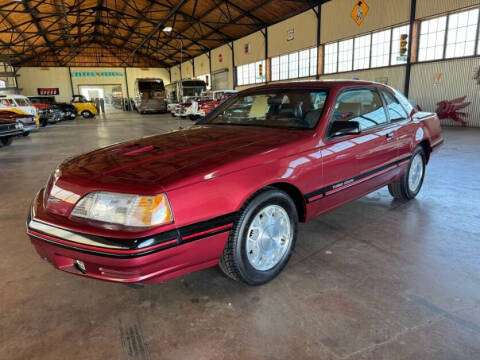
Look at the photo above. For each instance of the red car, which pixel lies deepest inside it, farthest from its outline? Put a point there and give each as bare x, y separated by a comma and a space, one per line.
232, 189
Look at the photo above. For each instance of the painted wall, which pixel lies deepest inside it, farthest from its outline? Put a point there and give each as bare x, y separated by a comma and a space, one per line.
393, 76
337, 22
223, 62
256, 49
456, 80
98, 79
32, 78
428, 7
202, 66
304, 34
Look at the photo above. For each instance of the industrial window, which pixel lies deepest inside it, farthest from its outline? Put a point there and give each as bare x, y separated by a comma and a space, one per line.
3, 84
462, 33
304, 66
330, 58
361, 59
432, 39
283, 67
253, 73
381, 48
345, 55
400, 45
313, 61
275, 68
294, 65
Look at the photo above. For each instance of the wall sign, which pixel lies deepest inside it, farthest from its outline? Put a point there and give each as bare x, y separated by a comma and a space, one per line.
247, 48
359, 11
220, 58
290, 34
48, 91
95, 74
437, 78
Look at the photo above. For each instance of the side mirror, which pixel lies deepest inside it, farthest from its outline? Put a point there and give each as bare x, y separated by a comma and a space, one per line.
342, 128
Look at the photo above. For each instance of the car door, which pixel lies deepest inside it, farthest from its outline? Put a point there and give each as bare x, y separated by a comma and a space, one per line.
356, 164
377, 149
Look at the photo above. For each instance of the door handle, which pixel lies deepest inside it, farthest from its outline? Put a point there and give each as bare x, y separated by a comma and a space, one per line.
390, 135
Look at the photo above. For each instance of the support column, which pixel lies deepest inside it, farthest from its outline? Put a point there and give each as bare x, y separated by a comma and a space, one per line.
234, 73
413, 9
128, 92
318, 13
71, 81
268, 64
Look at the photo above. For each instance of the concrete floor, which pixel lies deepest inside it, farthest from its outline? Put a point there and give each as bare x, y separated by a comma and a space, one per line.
375, 279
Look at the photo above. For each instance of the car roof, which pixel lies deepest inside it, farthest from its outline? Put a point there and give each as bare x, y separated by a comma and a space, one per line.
328, 83
13, 96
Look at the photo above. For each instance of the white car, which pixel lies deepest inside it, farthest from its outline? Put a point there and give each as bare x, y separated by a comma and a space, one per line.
21, 105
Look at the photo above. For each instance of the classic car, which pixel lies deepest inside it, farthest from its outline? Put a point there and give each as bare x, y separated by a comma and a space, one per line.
180, 110
84, 107
9, 127
22, 105
201, 109
69, 112
232, 189
47, 113
28, 121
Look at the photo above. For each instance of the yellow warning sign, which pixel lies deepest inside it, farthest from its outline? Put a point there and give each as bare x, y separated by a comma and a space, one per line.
359, 11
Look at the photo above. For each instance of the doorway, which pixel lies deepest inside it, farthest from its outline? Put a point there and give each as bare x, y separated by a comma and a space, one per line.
111, 94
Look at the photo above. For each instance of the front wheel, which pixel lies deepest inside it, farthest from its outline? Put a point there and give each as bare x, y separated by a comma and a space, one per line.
411, 181
87, 114
262, 239
6, 141
26, 133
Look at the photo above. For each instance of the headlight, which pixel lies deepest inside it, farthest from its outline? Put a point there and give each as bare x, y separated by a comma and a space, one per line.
19, 126
124, 209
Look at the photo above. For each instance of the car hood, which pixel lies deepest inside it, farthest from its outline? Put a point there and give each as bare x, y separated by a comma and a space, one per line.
181, 155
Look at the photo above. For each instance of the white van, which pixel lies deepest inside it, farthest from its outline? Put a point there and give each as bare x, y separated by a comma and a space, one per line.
21, 105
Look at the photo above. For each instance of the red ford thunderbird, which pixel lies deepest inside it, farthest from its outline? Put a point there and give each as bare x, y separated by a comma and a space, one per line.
232, 189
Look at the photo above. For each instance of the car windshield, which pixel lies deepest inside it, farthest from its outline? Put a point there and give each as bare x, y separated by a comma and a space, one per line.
300, 109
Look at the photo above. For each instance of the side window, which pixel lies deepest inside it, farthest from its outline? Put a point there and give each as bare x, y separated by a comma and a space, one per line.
395, 110
5, 102
404, 101
363, 106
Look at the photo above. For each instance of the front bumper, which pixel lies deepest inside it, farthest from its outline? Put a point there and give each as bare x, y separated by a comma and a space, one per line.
30, 128
144, 260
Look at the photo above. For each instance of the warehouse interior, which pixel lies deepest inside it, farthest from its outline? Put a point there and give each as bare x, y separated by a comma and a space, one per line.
375, 278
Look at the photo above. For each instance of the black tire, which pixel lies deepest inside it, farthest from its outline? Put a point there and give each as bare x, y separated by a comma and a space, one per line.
6, 141
26, 133
400, 189
234, 261
43, 122
87, 114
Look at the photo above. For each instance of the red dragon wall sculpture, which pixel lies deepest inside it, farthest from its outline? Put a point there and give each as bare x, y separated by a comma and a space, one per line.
451, 110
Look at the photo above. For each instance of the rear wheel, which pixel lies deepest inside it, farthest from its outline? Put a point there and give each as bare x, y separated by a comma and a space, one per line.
262, 239
6, 141
411, 181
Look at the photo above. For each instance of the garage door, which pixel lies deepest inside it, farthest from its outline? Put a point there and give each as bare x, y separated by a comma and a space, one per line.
220, 80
